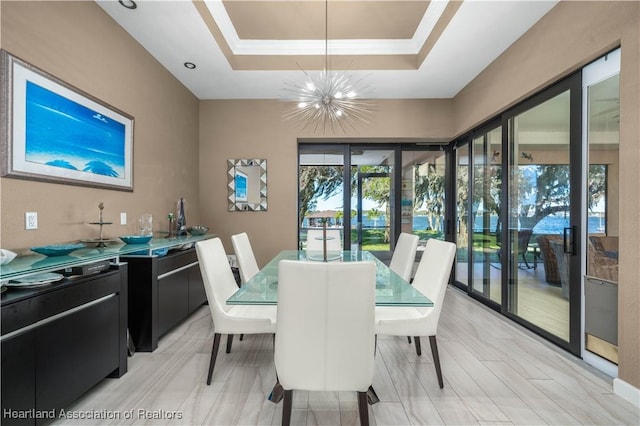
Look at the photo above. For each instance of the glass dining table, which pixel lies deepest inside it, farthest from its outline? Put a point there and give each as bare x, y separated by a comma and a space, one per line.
391, 290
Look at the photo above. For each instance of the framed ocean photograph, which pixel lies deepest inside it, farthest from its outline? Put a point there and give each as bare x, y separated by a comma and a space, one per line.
58, 133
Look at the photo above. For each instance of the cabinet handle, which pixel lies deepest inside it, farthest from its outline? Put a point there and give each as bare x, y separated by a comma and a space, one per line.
175, 271
55, 317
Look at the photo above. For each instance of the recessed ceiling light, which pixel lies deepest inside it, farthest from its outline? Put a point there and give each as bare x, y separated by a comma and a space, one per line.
129, 4
190, 65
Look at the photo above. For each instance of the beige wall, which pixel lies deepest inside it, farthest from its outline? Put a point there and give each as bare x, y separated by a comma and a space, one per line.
80, 44
568, 37
256, 129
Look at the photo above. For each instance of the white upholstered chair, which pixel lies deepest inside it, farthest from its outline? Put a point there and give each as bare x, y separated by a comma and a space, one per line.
404, 255
244, 255
247, 264
314, 240
325, 333
219, 285
431, 280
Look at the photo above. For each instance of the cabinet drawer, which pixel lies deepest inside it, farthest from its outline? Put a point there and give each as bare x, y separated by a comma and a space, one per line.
18, 315
57, 299
176, 260
80, 294
75, 352
18, 377
173, 300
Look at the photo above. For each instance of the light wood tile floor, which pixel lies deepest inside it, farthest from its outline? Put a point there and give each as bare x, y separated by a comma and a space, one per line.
495, 373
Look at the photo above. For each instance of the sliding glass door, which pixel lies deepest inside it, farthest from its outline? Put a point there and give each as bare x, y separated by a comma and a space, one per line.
321, 195
462, 268
485, 214
372, 178
370, 193
544, 167
518, 213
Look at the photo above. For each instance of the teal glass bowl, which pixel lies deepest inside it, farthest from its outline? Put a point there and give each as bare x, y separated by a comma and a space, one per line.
197, 229
156, 252
57, 250
136, 239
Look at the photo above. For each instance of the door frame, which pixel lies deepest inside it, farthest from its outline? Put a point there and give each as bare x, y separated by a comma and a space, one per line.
601, 69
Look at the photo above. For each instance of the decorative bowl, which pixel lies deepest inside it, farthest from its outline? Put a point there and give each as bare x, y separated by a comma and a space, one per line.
160, 252
136, 239
57, 250
156, 252
6, 256
197, 229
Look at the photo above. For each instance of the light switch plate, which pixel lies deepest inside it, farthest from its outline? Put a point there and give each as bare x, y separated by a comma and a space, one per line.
123, 218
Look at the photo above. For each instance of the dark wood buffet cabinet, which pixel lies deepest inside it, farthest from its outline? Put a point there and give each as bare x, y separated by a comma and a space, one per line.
163, 291
59, 341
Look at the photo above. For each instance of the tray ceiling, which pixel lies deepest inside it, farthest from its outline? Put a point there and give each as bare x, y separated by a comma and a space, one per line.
246, 49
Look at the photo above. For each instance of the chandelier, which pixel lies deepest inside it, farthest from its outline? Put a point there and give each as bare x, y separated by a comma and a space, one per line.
331, 100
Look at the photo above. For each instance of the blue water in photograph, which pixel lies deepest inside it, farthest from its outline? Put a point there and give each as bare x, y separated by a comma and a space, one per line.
241, 186
65, 134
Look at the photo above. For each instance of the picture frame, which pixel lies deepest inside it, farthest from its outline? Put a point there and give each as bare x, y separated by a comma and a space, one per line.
55, 132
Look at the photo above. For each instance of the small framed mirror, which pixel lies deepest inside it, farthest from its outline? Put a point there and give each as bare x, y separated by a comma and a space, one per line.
247, 184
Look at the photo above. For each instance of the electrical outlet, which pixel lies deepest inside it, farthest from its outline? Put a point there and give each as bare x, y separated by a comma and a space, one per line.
123, 218
31, 220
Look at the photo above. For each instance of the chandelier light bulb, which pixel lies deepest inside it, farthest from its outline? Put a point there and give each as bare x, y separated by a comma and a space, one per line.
338, 95
302, 104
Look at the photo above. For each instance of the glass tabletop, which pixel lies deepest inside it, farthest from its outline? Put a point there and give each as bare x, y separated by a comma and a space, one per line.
391, 289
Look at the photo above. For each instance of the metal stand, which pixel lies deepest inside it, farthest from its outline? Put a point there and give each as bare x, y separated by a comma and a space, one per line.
101, 241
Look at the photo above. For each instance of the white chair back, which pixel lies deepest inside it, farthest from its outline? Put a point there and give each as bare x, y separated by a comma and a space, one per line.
314, 240
325, 325
219, 283
433, 273
244, 255
404, 255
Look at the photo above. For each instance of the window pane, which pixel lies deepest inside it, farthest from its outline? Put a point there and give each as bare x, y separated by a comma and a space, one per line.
538, 213
320, 191
462, 214
603, 180
485, 211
